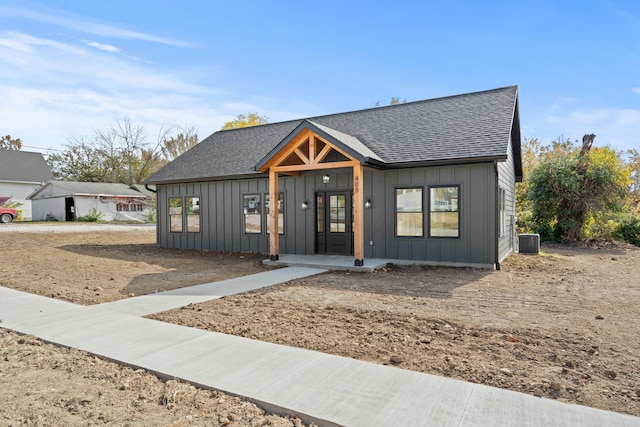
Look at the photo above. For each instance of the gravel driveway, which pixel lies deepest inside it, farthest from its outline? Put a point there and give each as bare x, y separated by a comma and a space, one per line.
70, 227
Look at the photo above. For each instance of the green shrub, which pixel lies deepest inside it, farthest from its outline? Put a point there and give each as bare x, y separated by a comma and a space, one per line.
628, 230
92, 216
14, 205
547, 232
524, 222
151, 216
602, 225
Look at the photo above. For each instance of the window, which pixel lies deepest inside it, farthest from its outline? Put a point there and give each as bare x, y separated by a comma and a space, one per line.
129, 206
192, 206
444, 214
280, 212
502, 194
320, 213
337, 213
175, 214
190, 215
252, 214
409, 216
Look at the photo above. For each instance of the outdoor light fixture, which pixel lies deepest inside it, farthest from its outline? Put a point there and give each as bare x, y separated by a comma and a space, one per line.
305, 205
326, 178
367, 204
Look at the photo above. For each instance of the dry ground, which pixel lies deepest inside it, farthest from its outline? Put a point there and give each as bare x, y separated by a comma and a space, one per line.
562, 326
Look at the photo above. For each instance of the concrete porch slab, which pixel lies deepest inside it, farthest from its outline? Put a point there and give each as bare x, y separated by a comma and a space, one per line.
345, 262
330, 262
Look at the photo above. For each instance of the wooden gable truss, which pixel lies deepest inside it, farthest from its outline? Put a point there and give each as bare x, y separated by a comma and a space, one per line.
308, 151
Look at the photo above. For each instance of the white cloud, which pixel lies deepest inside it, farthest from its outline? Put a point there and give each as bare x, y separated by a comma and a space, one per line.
618, 128
52, 91
101, 46
587, 118
85, 25
25, 43
57, 87
48, 117
55, 62
15, 44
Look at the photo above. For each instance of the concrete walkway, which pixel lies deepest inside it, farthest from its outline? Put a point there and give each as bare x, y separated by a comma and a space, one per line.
321, 388
169, 300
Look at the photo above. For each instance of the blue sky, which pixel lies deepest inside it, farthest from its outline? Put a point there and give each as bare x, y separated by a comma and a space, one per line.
68, 68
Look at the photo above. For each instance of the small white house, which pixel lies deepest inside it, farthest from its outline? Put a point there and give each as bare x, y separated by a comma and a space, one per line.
67, 201
21, 173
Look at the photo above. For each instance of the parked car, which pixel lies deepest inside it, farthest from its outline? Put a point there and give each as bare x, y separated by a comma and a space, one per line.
6, 214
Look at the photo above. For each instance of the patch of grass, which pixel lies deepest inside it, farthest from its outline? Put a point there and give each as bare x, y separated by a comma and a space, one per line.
557, 256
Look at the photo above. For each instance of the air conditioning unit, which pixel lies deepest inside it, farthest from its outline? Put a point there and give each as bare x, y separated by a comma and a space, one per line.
529, 243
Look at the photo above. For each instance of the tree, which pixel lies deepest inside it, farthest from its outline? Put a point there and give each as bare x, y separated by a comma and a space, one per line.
176, 145
531, 150
118, 153
246, 120
8, 143
121, 145
634, 164
394, 101
79, 161
570, 185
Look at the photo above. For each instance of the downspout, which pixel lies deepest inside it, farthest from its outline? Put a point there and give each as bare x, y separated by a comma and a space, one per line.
496, 215
157, 210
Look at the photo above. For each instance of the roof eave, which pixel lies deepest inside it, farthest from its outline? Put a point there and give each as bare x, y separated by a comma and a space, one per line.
138, 196
516, 140
206, 179
374, 163
446, 162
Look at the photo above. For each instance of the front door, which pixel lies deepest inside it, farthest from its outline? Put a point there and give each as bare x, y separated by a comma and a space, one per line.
334, 234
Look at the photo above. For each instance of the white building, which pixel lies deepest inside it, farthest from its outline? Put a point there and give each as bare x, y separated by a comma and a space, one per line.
21, 173
66, 201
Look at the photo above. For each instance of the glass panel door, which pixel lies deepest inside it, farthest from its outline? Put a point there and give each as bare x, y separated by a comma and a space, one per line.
337, 213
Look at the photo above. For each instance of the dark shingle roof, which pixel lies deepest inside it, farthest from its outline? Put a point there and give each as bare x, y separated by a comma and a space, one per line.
457, 128
70, 188
23, 166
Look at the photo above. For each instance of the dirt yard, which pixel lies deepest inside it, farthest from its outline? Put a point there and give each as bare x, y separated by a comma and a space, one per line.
562, 326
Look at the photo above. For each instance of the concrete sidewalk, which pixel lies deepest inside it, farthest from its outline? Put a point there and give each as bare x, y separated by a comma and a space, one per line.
321, 388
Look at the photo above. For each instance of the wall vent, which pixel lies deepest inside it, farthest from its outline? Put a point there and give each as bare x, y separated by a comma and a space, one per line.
529, 243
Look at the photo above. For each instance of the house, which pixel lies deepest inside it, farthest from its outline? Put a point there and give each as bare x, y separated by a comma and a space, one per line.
22, 172
66, 201
430, 181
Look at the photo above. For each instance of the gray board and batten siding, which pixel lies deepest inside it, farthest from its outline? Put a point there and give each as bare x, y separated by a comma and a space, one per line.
470, 141
222, 222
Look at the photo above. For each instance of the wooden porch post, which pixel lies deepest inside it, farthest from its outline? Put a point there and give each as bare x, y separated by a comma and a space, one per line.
273, 215
358, 216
